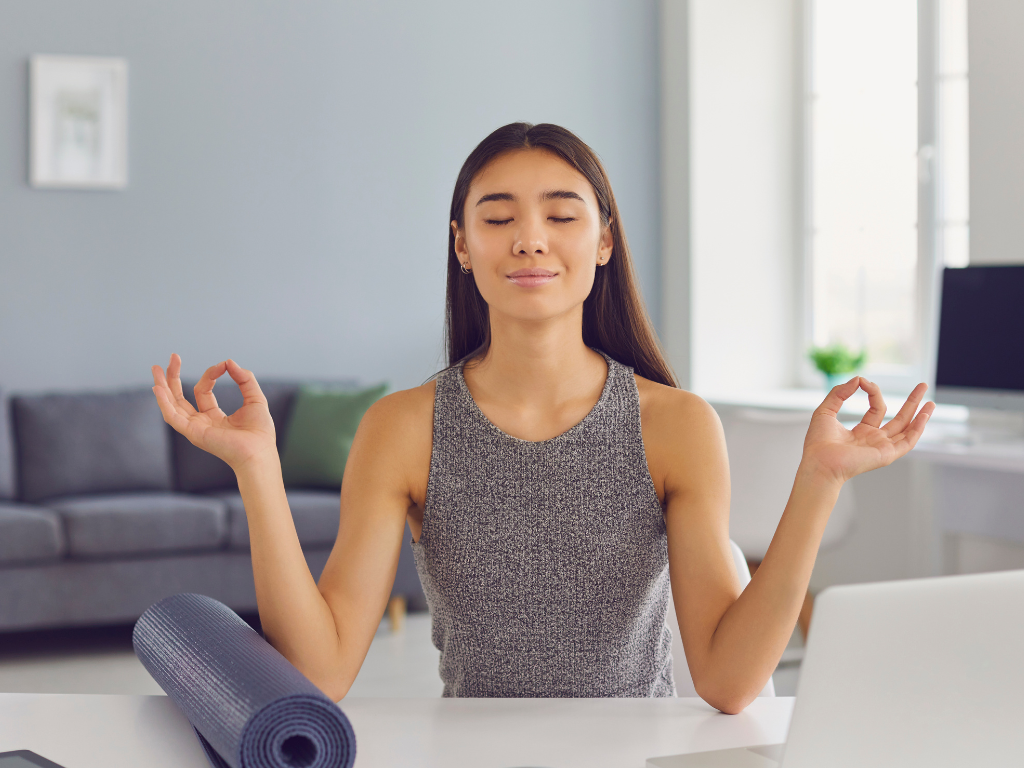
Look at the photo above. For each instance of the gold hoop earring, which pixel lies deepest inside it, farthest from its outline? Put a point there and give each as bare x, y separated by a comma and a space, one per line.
464, 270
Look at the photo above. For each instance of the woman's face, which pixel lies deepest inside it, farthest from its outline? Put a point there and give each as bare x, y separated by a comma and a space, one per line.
532, 235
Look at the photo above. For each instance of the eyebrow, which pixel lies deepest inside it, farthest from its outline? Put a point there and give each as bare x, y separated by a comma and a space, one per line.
508, 196
556, 194
561, 194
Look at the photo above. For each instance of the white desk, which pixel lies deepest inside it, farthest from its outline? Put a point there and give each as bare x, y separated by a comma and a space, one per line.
94, 731
809, 399
948, 438
966, 473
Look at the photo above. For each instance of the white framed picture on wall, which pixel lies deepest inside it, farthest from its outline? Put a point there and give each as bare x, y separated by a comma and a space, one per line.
79, 122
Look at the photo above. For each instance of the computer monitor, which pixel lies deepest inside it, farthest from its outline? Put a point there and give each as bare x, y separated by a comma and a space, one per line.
981, 337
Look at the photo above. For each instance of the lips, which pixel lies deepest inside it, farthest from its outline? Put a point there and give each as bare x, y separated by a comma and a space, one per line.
532, 276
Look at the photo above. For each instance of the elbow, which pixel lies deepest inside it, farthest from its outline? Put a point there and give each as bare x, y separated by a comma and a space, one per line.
328, 672
331, 681
726, 696
727, 705
333, 686
332, 690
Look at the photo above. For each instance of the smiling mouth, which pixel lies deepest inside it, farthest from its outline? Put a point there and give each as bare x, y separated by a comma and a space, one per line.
534, 279
531, 277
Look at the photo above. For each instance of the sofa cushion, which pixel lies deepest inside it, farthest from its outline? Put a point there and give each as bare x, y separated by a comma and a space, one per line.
320, 433
135, 523
90, 443
7, 485
29, 534
197, 471
316, 514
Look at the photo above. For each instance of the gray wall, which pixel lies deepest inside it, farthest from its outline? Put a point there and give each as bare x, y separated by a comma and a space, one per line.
291, 167
995, 29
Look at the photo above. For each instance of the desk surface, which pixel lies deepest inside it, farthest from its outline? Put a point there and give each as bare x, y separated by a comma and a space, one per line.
809, 399
948, 438
96, 731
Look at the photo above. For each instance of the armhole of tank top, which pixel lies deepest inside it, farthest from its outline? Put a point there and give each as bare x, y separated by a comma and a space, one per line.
648, 478
442, 380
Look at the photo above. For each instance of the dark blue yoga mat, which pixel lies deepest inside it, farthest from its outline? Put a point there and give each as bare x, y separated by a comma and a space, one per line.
248, 705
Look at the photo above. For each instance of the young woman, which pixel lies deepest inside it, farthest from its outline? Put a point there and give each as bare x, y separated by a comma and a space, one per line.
554, 476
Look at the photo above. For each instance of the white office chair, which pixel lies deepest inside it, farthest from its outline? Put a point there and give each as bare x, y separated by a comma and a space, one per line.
765, 447
684, 683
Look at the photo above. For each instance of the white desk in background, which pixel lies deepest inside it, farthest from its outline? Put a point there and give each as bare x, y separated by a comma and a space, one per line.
101, 731
968, 470
809, 399
974, 485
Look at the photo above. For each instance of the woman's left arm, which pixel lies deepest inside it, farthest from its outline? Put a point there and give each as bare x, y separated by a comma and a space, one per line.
734, 640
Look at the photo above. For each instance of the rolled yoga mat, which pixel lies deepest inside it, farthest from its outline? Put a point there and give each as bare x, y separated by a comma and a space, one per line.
249, 707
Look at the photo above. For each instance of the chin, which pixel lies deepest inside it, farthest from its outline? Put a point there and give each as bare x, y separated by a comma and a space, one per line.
535, 311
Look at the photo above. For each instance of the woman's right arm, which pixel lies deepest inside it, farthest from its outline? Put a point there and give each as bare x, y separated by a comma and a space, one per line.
324, 630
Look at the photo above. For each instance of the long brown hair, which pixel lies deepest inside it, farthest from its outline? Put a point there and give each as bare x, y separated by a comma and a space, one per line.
614, 318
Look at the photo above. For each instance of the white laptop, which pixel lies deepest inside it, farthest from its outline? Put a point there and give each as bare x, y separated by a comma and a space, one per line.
917, 673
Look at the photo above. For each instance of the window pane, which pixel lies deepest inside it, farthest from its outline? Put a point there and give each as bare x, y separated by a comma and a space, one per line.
954, 147
864, 177
953, 37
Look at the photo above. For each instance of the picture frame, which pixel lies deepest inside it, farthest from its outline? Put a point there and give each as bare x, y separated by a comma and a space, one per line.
79, 122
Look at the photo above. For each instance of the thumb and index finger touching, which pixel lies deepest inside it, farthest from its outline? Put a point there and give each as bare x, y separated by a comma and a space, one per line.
246, 381
838, 395
904, 424
176, 407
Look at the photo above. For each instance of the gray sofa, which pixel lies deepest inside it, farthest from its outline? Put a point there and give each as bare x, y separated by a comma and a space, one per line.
104, 510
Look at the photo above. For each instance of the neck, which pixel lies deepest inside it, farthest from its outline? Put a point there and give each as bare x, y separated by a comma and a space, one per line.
537, 363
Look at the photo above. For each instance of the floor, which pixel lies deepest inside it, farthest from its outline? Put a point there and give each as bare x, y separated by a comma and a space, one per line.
101, 660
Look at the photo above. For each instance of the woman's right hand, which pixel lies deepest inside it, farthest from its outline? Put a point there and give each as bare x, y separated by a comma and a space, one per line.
244, 435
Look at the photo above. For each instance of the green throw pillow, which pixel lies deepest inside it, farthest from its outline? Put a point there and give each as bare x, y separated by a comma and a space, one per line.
320, 433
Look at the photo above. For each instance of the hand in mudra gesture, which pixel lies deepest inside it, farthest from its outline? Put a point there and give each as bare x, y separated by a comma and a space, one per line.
841, 453
245, 434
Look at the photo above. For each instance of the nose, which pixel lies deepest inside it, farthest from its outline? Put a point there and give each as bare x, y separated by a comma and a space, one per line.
531, 238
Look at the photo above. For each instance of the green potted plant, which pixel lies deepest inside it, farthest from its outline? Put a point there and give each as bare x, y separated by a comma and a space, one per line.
835, 361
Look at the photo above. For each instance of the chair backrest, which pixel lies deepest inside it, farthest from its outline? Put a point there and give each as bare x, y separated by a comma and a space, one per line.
684, 683
765, 447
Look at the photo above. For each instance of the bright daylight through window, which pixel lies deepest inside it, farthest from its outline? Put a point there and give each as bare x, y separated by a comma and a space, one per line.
865, 175
863, 179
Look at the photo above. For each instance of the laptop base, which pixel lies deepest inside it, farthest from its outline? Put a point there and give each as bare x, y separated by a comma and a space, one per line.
768, 756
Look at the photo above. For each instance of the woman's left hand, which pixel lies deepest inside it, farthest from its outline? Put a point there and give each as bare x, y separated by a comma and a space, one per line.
839, 453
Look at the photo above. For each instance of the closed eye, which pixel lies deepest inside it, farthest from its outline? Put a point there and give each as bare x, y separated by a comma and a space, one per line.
563, 220
497, 222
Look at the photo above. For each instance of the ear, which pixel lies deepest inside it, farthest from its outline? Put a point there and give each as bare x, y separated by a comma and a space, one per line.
606, 244
460, 242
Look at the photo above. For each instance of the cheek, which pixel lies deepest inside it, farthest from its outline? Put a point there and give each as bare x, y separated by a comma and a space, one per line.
577, 250
486, 242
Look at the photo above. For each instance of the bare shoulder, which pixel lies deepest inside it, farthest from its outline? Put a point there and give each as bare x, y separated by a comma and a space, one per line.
671, 408
391, 448
683, 437
406, 414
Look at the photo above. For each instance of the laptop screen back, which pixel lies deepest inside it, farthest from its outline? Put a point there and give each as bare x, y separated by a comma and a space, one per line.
922, 672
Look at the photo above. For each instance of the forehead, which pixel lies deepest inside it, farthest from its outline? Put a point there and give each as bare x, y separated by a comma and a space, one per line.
528, 173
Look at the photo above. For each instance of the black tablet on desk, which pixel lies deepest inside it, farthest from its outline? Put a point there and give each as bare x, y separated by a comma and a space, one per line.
25, 758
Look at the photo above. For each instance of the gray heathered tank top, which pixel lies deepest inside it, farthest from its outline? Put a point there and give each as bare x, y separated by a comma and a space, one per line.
545, 564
